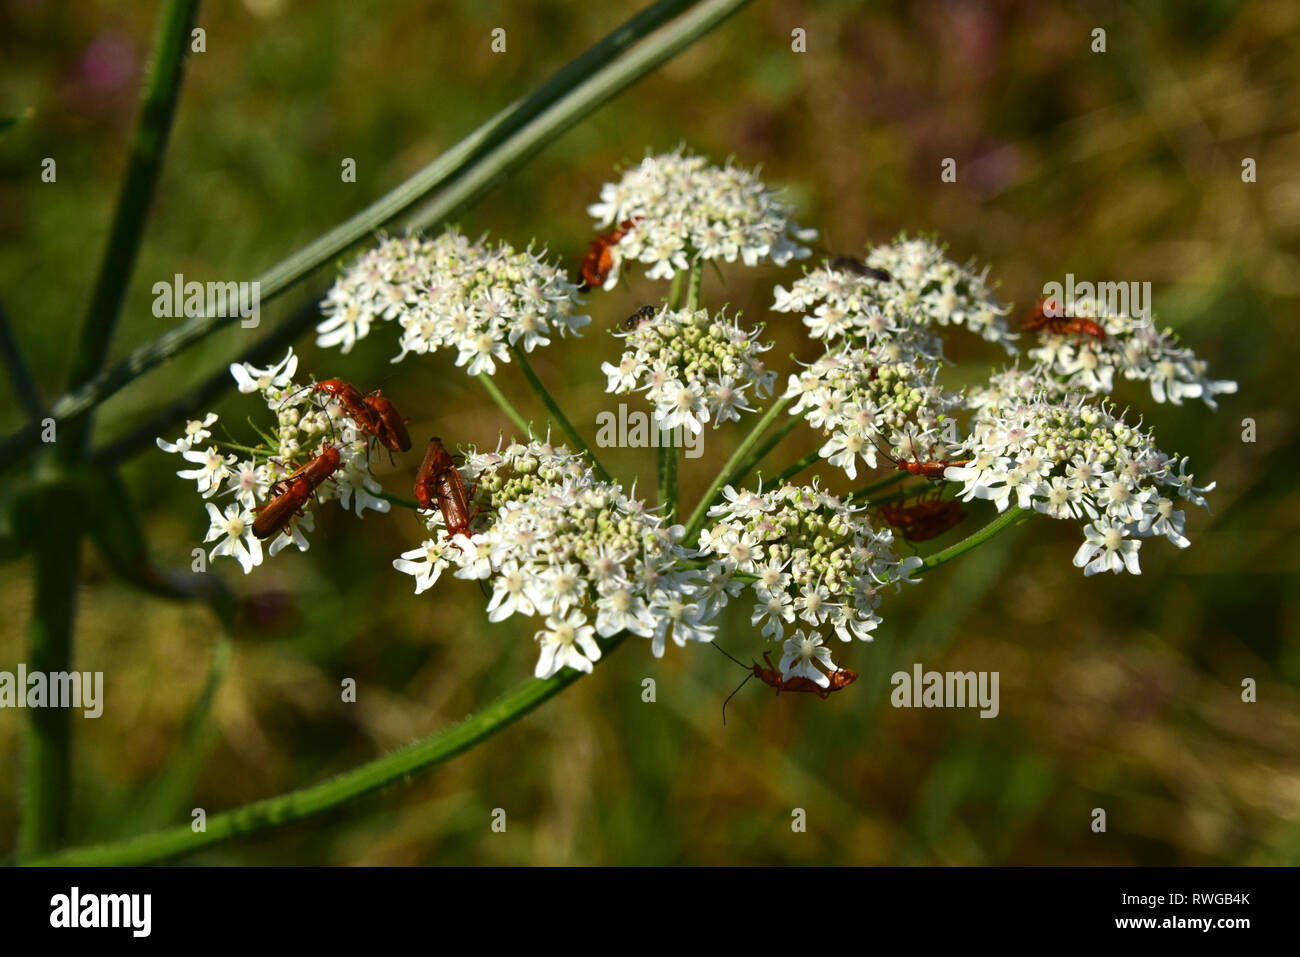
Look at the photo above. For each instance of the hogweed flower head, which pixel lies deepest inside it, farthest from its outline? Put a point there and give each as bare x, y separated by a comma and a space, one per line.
452, 293
681, 208
924, 288
303, 426
553, 541
1070, 459
694, 366
808, 556
1133, 347
856, 400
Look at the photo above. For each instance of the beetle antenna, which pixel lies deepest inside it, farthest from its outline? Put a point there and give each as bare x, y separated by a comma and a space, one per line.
295, 394
881, 450
729, 655
732, 695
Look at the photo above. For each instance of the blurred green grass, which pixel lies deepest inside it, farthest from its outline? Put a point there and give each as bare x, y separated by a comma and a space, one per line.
1121, 693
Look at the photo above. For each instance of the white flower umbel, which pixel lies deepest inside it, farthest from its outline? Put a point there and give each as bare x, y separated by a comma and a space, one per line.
450, 293
856, 400
909, 286
304, 425
681, 208
807, 555
1013, 384
1071, 459
1135, 349
694, 366
552, 540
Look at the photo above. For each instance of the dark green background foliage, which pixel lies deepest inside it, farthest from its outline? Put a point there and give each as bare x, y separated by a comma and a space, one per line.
1117, 692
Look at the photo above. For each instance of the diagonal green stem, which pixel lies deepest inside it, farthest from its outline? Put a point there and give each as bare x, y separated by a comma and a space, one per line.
347, 786
864, 494
506, 405
1011, 516
795, 468
580, 444
397, 500
732, 471
459, 177
144, 164
760, 452
20, 374
267, 350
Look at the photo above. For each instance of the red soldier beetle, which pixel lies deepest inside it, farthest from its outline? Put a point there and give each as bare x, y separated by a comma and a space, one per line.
373, 414
438, 481
598, 261
922, 521
290, 494
770, 676
1062, 325
390, 427
930, 470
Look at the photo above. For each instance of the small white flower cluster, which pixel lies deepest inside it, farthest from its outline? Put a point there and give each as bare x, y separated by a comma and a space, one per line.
555, 541
809, 556
1071, 460
1134, 348
1012, 384
907, 287
383, 283
451, 293
304, 426
693, 366
943, 291
856, 399
682, 208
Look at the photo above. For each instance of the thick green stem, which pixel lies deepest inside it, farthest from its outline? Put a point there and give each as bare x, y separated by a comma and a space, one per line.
348, 786
557, 413
138, 186
59, 509
667, 475
506, 405
684, 293
693, 283
733, 471
55, 523
675, 286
